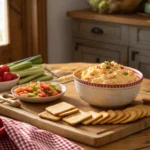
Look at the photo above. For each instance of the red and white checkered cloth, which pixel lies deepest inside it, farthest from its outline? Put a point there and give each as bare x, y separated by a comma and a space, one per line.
15, 135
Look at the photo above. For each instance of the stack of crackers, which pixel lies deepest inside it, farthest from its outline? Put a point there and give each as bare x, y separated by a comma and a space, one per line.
72, 115
66, 112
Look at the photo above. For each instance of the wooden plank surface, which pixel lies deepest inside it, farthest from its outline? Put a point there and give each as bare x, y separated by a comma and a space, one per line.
92, 135
130, 19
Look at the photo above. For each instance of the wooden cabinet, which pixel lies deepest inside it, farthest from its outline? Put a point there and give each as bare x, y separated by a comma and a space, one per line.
101, 31
140, 59
139, 49
99, 38
99, 41
139, 37
89, 51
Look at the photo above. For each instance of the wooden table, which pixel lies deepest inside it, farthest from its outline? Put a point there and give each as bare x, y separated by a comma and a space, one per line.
138, 141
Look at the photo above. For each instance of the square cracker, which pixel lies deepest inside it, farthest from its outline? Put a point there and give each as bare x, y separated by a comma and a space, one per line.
59, 108
95, 116
69, 112
77, 117
48, 116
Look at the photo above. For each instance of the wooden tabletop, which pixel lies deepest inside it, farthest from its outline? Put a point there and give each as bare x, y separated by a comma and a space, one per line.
138, 141
129, 19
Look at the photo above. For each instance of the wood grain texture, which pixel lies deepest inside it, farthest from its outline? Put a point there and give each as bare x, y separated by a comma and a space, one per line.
5, 55
92, 135
131, 19
27, 30
35, 28
16, 30
29, 113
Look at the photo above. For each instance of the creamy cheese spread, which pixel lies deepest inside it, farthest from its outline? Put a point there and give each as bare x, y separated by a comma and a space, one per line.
108, 73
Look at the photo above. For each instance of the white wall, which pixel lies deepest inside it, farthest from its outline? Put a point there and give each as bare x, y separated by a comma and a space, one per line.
59, 29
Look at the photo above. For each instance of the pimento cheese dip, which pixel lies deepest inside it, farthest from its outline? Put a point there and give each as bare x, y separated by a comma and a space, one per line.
108, 73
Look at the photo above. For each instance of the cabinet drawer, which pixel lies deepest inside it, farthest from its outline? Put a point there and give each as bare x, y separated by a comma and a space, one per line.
99, 31
140, 37
90, 52
139, 59
94, 55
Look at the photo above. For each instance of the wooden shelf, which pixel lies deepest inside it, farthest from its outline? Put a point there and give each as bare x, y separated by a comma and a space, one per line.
129, 19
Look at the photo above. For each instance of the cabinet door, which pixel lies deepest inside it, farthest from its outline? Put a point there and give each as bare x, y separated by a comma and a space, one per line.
101, 53
139, 59
101, 31
139, 37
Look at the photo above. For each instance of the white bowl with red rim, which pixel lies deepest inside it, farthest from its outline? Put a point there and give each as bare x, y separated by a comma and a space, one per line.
105, 95
7, 85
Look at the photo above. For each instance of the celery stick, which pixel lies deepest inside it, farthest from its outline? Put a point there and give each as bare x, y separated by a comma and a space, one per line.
29, 78
28, 72
44, 78
34, 67
21, 66
37, 60
34, 59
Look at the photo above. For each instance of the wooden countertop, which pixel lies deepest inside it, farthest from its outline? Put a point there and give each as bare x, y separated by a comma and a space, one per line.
129, 19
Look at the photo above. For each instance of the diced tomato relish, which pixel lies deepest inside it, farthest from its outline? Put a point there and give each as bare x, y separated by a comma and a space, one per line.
38, 89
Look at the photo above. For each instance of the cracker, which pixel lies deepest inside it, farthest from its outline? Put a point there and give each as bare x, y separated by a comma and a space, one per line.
77, 117
133, 116
95, 116
105, 115
59, 108
120, 114
112, 115
69, 112
139, 112
144, 109
148, 109
127, 115
48, 116
64, 79
61, 72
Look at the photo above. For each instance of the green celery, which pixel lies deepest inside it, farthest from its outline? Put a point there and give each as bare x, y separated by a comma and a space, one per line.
21, 66
28, 72
34, 60
30, 78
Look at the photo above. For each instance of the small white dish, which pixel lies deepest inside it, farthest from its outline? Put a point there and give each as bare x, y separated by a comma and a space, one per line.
7, 85
39, 100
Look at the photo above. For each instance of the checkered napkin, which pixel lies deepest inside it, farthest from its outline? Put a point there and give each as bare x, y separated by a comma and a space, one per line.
15, 135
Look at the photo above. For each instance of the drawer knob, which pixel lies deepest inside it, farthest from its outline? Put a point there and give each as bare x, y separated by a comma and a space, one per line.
134, 53
97, 60
97, 30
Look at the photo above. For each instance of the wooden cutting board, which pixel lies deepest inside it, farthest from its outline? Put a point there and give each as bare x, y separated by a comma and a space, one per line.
91, 135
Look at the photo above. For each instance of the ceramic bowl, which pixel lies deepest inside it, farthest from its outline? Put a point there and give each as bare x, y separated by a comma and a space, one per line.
39, 99
108, 96
7, 85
